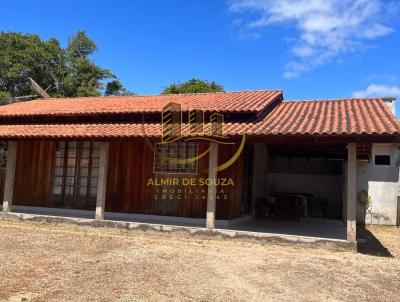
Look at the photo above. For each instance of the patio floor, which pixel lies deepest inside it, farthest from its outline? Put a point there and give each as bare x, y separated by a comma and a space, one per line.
311, 227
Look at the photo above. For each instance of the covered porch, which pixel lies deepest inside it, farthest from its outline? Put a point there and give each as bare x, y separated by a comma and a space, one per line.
30, 183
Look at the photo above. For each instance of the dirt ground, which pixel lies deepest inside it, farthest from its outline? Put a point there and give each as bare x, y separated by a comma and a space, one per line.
45, 262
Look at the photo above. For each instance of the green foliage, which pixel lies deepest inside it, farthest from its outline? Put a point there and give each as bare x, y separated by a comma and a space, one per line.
24, 56
193, 86
80, 45
69, 71
116, 88
5, 98
83, 77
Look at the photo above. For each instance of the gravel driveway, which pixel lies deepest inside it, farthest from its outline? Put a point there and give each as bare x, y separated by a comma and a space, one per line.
48, 262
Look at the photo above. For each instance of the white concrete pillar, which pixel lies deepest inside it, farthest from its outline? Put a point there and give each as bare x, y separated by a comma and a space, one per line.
212, 188
351, 191
10, 175
102, 181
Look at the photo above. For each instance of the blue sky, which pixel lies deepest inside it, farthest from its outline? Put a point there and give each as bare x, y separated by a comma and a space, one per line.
310, 49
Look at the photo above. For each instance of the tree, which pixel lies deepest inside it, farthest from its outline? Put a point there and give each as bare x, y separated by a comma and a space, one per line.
83, 77
116, 88
70, 72
193, 86
24, 56
5, 98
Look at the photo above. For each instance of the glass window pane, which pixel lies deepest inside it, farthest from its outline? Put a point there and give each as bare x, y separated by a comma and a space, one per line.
175, 151
60, 162
94, 182
57, 181
95, 172
58, 171
60, 153
93, 191
69, 181
182, 151
82, 191
69, 190
60, 149
71, 171
84, 172
71, 149
84, 163
71, 162
96, 153
85, 153
57, 190
83, 181
3, 154
95, 162
71, 153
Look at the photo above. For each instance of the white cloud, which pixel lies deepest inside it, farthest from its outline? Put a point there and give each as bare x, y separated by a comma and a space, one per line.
324, 28
377, 90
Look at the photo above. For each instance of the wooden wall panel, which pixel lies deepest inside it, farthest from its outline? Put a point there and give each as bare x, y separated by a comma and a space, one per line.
230, 208
2, 182
33, 175
131, 166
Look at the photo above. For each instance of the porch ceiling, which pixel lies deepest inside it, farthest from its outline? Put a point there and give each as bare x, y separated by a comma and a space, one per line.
328, 151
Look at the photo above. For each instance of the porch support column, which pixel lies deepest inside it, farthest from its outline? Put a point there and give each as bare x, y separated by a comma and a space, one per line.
212, 188
10, 175
351, 191
102, 181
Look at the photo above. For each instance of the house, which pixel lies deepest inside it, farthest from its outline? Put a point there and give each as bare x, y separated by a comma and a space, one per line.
212, 157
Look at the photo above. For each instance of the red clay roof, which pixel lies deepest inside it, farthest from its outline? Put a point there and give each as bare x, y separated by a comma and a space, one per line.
99, 130
333, 117
301, 118
244, 101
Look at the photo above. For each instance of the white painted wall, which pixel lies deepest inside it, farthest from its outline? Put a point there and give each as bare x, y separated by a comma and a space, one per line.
319, 177
382, 184
391, 104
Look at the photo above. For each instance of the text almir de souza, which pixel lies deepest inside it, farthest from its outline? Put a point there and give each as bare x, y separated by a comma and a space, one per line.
175, 181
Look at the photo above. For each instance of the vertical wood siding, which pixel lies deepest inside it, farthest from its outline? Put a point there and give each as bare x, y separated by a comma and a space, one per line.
130, 167
33, 175
230, 208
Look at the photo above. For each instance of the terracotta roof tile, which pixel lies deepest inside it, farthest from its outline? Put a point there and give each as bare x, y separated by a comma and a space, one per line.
333, 117
243, 101
301, 118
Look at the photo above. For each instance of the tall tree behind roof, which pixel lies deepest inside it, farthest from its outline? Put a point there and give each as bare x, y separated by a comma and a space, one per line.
69, 71
193, 86
116, 88
23, 56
